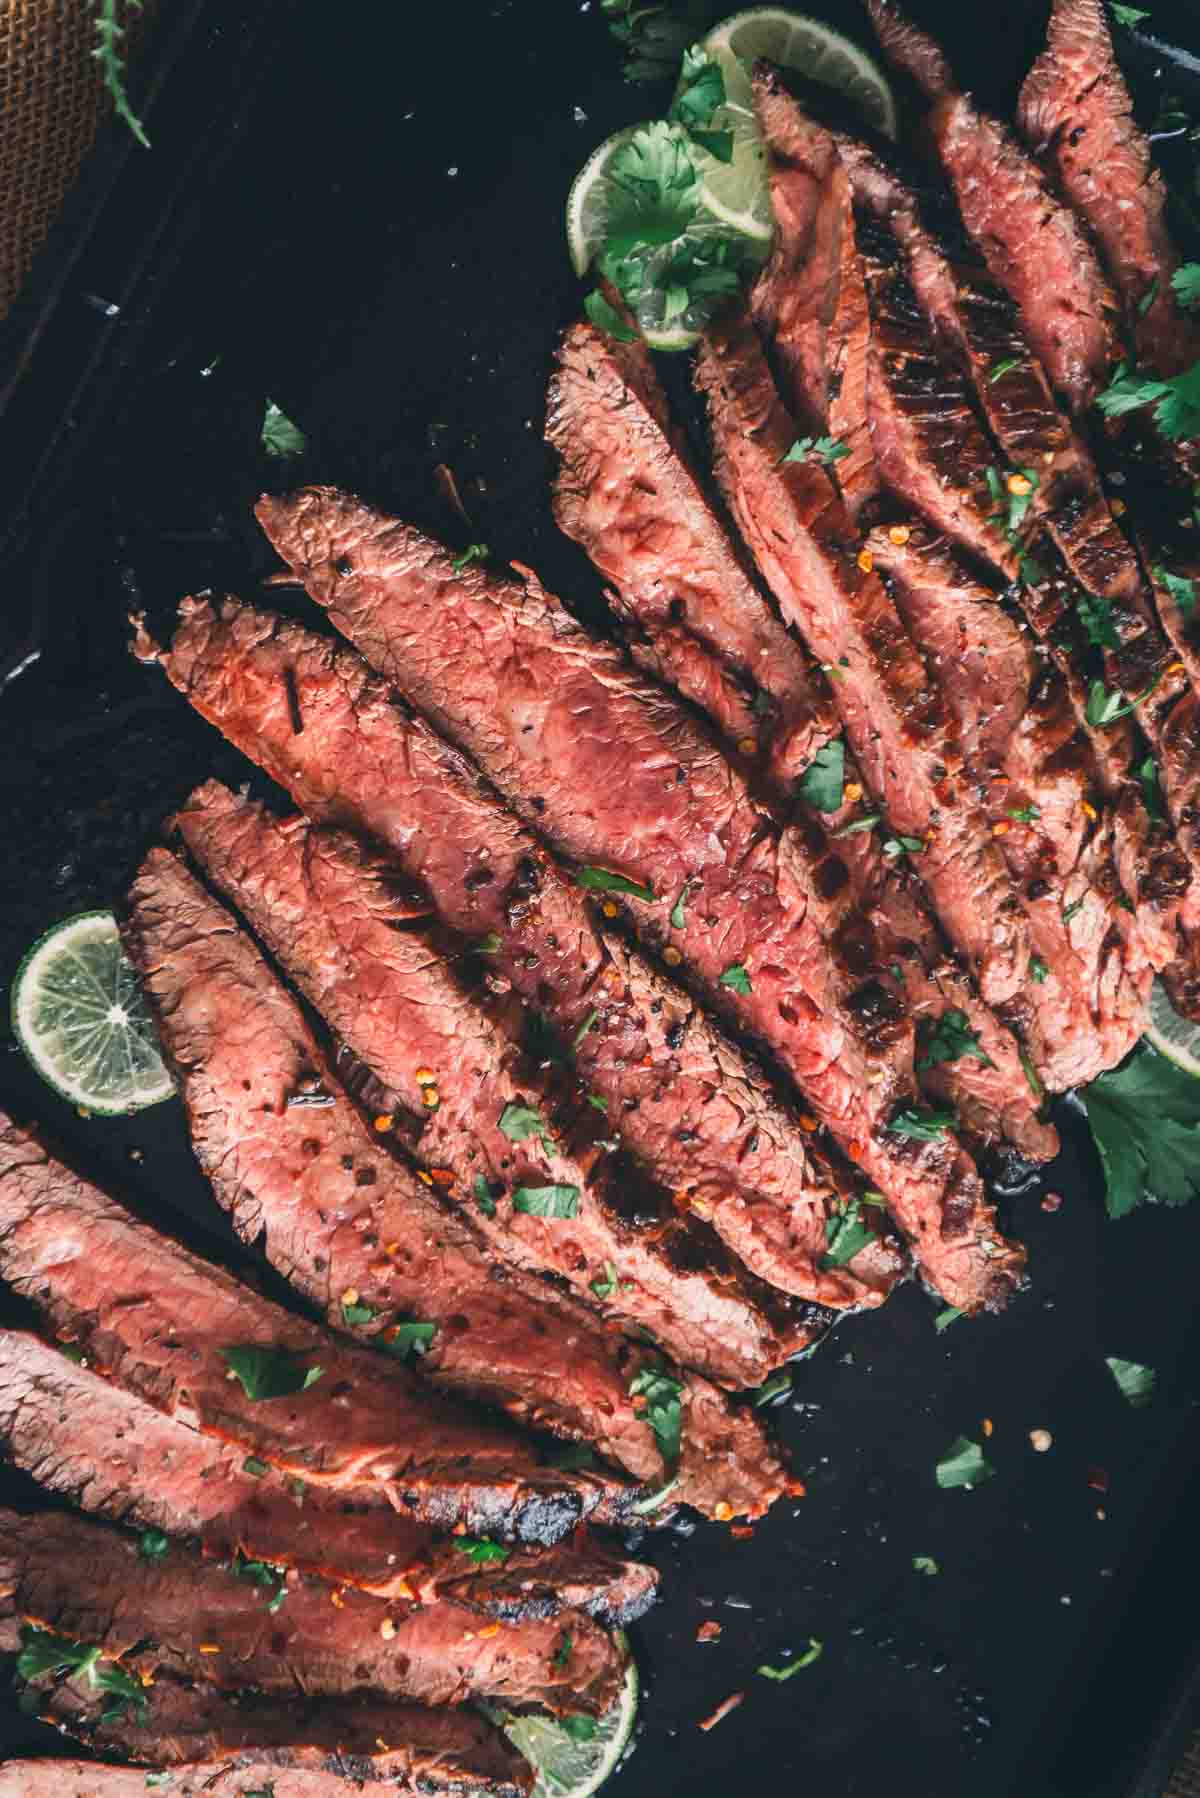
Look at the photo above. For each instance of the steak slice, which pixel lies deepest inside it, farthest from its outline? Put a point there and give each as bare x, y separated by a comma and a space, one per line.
110, 1454
208, 1623
690, 1116
628, 494
292, 1748
615, 773
395, 1248
1037, 783
888, 927
1077, 115
155, 1318
809, 300
1033, 244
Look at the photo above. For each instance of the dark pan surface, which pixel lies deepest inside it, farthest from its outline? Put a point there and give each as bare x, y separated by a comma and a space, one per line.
320, 249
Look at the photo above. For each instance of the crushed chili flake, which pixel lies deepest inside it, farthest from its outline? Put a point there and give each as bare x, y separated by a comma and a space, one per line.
1001, 827
431, 1098
1052, 1201
723, 1511
899, 533
722, 1711
808, 1122
424, 1076
443, 1175
708, 1632
350, 1296
424, 1176
1097, 1479
387, 1629
1118, 507
209, 1647
852, 792
1089, 811
795, 1488
493, 1629
748, 745
866, 560
1175, 668
987, 1426
384, 1121
671, 956
743, 1531
1020, 485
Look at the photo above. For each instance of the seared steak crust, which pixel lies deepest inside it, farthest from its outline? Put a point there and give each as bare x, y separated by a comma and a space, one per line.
690, 1115
547, 712
391, 997
1077, 115
627, 493
155, 1317
169, 1613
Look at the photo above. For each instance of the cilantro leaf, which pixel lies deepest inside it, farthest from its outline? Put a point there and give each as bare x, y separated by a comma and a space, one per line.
547, 1201
736, 977
1145, 1121
950, 1315
895, 847
867, 822
654, 1499
1135, 1381
921, 1126
153, 1545
583, 1029
483, 1196
656, 195
812, 1653
1182, 590
951, 1040
778, 1384
280, 437
1037, 970
1176, 402
678, 916
845, 1234
1003, 368
606, 318
1148, 298
1186, 282
662, 1410
717, 143
824, 781
481, 1550
963, 1465
474, 552
1025, 814
358, 1314
925, 1564
654, 36
701, 90
407, 1338
606, 1286
521, 1122
271, 1373
44, 1652
826, 450
603, 880
1096, 617
1105, 707
1147, 773
1127, 15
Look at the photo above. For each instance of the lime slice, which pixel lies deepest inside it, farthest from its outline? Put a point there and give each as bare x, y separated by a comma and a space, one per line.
736, 192
567, 1767
82, 1019
1173, 1036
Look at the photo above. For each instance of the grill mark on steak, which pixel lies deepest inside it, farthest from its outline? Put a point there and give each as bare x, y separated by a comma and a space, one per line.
154, 1317
392, 1000
1032, 243
82, 1437
543, 708
887, 927
90, 1583
1077, 115
401, 784
626, 491
809, 300
220, 1746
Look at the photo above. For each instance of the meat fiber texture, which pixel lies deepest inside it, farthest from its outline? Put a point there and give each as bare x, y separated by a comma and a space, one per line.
207, 1622
1076, 113
548, 714
155, 1318
394, 1247
1032, 242
293, 1747
686, 1102
627, 492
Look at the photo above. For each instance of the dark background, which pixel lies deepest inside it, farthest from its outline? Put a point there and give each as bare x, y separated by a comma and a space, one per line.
356, 209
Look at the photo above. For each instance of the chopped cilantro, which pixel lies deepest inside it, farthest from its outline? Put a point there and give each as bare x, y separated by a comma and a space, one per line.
951, 1040
654, 36
1135, 1381
1147, 773
824, 780
606, 318
483, 1196
44, 1652
1003, 368
663, 1410
1127, 15
562, 1654
599, 1103
921, 1126
701, 91
736, 977
254, 1467
358, 1314
867, 822
489, 944
1145, 1121
845, 1234
547, 1201
1104, 708
1024, 814
827, 450
949, 1315
1031, 1075
1070, 910
153, 1545
1186, 282
963, 1465
521, 1122
778, 1384
603, 880
654, 1499
474, 552
407, 1338
584, 1027
812, 1653
895, 847
1096, 617
271, 1373
678, 916
1148, 298
604, 1288
481, 1551
1037, 969
1182, 590
925, 1564
1176, 402
280, 437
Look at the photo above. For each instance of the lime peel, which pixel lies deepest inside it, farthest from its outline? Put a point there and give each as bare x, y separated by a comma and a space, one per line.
1176, 1037
568, 1767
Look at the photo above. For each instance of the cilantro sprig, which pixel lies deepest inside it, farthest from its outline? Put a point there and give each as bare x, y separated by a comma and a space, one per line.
952, 1039
1176, 401
1145, 1122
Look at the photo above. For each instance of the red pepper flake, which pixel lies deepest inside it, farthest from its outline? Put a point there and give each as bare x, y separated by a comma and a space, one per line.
443, 1175
795, 1488
743, 1531
1052, 1201
722, 1711
709, 1632
1097, 1479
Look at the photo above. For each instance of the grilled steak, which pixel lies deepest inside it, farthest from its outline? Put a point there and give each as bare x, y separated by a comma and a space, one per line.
690, 1115
395, 1247
1032, 243
292, 1748
626, 491
82, 1437
1076, 113
213, 1624
511, 675
809, 300
155, 1318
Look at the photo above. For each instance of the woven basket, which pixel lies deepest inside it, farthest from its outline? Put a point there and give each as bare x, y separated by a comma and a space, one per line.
52, 103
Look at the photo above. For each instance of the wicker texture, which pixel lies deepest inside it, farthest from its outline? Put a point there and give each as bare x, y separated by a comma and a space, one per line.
52, 102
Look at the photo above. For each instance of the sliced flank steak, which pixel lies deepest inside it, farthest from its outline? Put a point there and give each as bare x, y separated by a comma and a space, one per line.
80, 1436
215, 1743
1076, 113
809, 300
627, 492
355, 1231
241, 1625
158, 1320
624, 780
1032, 242
888, 928
685, 1101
